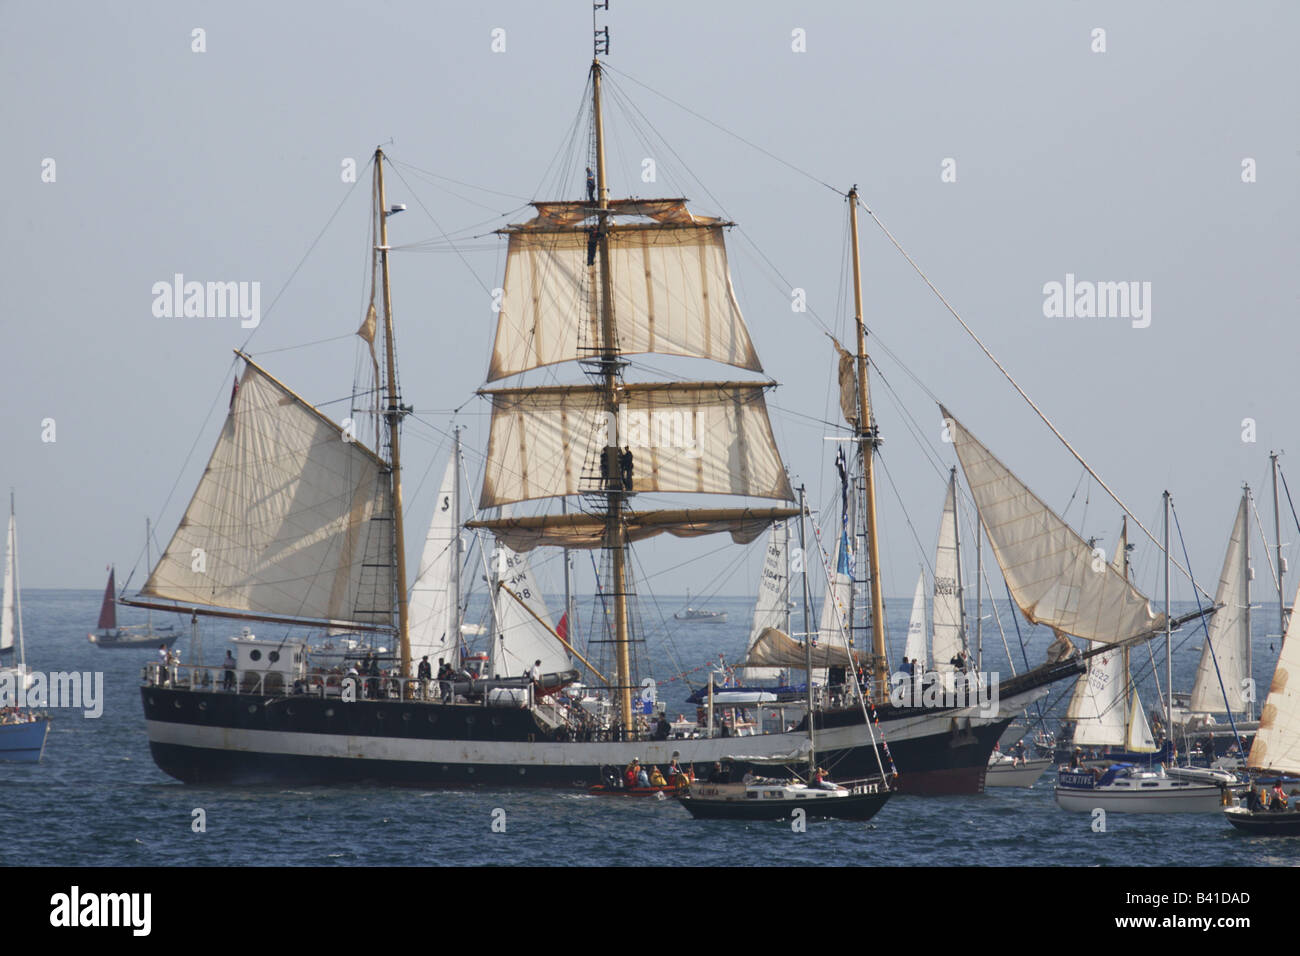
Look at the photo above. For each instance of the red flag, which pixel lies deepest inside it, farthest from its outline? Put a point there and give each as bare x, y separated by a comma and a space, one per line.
233, 392
562, 628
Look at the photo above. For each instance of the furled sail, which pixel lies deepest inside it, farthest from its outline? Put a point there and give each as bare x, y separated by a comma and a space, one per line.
775, 648
1277, 743
708, 437
671, 287
433, 613
914, 650
7, 628
1052, 573
949, 619
1228, 639
290, 518
520, 639
1098, 702
584, 531
108, 607
772, 609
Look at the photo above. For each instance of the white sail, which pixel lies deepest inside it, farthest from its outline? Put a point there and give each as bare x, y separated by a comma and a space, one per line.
707, 438
1277, 743
1098, 704
833, 629
1229, 631
519, 639
7, 628
1140, 739
914, 650
772, 607
290, 518
949, 621
434, 610
671, 286
1052, 572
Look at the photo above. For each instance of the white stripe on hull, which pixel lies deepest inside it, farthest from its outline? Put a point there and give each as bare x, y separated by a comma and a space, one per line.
541, 753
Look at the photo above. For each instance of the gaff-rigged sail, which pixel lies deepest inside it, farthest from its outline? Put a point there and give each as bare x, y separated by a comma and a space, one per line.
291, 518
1228, 639
1052, 572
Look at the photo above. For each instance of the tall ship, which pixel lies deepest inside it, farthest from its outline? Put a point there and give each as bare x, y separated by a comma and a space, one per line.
297, 523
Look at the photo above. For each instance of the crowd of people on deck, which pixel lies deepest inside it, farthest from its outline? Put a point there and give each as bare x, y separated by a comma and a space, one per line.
637, 777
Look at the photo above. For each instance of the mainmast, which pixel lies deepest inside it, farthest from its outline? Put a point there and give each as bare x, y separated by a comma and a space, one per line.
610, 366
868, 441
393, 415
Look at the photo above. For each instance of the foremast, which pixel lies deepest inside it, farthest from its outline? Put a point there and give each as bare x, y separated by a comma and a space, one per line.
393, 415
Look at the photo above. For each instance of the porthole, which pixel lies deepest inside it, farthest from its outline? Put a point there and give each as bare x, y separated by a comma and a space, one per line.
252, 708
406, 716
329, 711
176, 704
469, 720
433, 718
255, 655
272, 657
203, 705
380, 714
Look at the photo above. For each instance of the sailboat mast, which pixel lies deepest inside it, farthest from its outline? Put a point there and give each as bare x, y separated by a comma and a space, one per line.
867, 442
455, 546
148, 563
614, 491
956, 544
807, 645
18, 594
1245, 584
979, 596
1169, 653
394, 417
1277, 536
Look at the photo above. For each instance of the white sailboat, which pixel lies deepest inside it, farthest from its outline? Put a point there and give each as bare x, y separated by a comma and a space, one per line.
1107, 711
1274, 761
1218, 712
22, 730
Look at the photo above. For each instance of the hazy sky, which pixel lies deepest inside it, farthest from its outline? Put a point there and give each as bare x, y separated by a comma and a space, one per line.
1122, 165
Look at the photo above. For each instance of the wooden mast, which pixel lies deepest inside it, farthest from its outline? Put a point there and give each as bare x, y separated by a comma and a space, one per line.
393, 415
867, 442
609, 361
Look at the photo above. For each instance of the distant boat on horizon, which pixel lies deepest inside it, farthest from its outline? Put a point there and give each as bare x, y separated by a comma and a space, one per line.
109, 635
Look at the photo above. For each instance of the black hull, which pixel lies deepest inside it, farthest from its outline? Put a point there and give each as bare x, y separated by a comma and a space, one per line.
1266, 823
309, 740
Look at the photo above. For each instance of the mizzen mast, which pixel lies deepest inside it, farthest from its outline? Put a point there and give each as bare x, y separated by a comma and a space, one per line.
868, 442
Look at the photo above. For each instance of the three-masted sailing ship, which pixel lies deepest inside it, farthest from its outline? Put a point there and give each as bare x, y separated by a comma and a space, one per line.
298, 523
